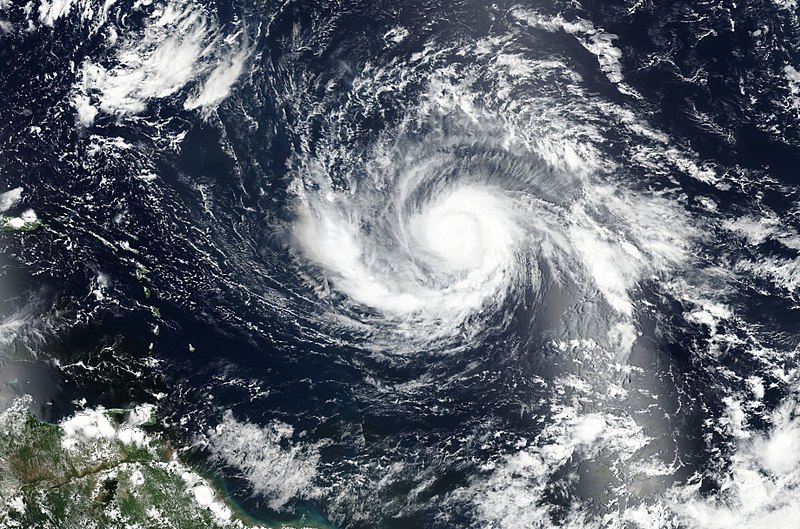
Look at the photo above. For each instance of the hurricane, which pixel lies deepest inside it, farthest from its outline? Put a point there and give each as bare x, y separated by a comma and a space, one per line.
460, 218
432, 264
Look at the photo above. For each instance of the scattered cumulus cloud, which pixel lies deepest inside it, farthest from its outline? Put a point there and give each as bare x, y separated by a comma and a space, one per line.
181, 45
220, 81
278, 466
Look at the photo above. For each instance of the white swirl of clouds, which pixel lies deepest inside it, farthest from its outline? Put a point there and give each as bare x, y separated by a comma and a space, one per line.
472, 207
495, 190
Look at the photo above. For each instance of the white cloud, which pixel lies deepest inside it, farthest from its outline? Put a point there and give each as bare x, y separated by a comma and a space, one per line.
51, 11
220, 81
179, 46
595, 40
783, 273
86, 112
779, 452
278, 467
9, 198
159, 64
513, 493
762, 487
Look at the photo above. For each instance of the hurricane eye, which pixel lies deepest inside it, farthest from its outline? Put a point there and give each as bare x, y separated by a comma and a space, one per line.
460, 231
447, 253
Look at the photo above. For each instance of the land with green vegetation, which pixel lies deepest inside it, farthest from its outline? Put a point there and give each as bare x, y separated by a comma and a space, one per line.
102, 469
27, 222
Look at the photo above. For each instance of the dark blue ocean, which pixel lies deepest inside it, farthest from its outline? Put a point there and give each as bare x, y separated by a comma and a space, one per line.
417, 264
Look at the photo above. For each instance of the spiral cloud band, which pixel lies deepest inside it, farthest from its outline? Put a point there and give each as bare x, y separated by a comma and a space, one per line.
458, 220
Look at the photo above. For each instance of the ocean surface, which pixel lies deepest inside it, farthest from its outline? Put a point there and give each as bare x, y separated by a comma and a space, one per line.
422, 263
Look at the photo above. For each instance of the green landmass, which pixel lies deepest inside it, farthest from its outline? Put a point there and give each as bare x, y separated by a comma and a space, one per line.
101, 469
141, 273
19, 223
